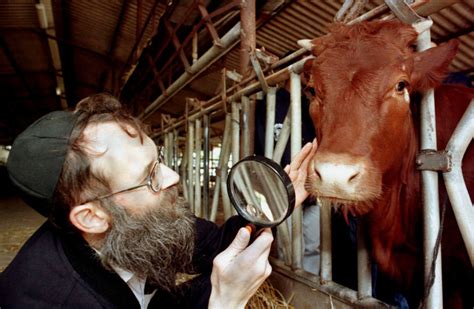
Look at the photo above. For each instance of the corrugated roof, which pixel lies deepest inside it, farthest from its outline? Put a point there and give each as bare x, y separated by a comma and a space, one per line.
96, 38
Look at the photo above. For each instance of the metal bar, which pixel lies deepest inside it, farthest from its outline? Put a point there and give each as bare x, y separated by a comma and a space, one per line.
210, 27
284, 238
326, 245
364, 273
215, 103
258, 71
177, 45
246, 137
297, 216
187, 39
222, 164
175, 150
167, 146
171, 148
454, 35
205, 194
247, 35
379, 10
197, 174
135, 46
455, 185
430, 199
270, 122
226, 149
235, 132
183, 168
283, 138
195, 48
190, 177
113, 42
212, 55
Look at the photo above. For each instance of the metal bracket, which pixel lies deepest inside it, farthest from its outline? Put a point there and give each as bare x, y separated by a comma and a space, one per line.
234, 76
258, 71
403, 11
266, 57
432, 160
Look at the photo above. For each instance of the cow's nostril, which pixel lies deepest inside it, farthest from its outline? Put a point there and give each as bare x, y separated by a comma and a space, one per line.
353, 177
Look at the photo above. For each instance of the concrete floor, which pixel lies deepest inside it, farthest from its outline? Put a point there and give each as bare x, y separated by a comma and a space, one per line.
17, 223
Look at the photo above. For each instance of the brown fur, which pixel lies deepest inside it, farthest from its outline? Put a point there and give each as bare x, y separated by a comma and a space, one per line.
358, 113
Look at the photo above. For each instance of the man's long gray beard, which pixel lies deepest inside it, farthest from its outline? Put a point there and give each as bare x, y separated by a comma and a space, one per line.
155, 245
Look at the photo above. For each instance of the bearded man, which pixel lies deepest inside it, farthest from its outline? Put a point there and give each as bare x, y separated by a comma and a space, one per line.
118, 232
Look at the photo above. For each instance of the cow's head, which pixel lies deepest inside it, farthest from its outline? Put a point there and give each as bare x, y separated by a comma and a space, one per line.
363, 76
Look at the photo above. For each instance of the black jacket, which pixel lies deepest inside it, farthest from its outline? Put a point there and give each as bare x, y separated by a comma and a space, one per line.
54, 270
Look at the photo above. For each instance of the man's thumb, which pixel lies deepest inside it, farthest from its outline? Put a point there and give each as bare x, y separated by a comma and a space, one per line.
239, 243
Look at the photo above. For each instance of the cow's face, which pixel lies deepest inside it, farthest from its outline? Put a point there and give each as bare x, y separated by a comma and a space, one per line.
362, 110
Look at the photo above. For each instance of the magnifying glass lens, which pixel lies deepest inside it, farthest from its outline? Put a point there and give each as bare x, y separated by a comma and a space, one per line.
260, 191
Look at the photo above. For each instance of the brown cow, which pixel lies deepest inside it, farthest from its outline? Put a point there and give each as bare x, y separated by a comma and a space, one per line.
368, 133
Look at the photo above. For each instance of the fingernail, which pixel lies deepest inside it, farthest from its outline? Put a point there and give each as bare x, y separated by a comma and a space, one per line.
248, 228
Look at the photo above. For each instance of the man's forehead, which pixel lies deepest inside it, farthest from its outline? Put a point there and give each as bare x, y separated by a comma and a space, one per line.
113, 152
110, 138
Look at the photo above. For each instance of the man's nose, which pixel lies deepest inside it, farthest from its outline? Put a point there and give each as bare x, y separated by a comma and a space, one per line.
170, 177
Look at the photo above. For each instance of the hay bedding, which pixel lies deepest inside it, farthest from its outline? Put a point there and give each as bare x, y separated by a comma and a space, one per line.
267, 297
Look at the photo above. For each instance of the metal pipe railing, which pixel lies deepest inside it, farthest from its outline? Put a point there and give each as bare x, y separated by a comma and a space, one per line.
222, 171
431, 224
216, 104
270, 122
296, 139
197, 169
326, 245
364, 274
212, 55
190, 178
226, 149
283, 138
455, 185
205, 191
235, 132
247, 135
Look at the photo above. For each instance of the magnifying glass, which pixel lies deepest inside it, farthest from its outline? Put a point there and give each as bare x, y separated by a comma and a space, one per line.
261, 192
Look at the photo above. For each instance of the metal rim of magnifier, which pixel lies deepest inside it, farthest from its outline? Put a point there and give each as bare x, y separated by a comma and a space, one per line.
278, 170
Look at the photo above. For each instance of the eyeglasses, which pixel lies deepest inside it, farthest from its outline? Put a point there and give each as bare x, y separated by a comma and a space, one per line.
154, 180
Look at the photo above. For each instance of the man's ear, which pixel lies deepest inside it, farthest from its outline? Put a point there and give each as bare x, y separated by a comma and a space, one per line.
89, 218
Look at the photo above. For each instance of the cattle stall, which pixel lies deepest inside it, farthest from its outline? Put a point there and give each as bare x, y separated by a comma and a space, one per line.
186, 138
198, 73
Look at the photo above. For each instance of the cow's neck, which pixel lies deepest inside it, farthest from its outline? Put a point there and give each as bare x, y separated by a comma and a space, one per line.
393, 229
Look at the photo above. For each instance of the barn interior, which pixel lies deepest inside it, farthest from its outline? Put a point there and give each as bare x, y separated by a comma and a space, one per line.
166, 60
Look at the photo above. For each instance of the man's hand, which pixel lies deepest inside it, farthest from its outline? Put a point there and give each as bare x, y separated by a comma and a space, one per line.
299, 169
239, 270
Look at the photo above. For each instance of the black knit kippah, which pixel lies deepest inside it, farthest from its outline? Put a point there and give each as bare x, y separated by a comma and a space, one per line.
37, 157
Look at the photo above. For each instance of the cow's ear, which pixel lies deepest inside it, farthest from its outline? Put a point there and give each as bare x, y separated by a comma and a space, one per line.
431, 66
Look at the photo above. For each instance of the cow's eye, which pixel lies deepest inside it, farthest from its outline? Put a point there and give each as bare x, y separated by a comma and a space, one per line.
401, 86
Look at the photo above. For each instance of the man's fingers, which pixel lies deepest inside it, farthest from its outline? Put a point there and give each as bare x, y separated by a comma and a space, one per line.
238, 245
309, 157
261, 245
298, 159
